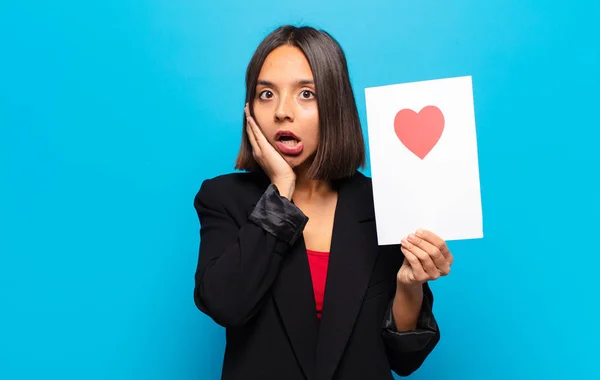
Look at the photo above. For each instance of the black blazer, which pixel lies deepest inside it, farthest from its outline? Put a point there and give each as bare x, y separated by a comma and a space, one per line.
253, 278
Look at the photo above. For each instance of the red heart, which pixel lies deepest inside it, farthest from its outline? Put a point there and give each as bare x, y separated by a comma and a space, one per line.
419, 132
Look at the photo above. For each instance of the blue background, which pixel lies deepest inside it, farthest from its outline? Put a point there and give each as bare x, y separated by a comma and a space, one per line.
112, 113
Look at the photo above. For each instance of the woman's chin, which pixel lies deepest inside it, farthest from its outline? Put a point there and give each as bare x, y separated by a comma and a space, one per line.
299, 163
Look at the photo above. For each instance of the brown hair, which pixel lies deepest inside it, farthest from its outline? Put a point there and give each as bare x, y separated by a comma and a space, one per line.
341, 149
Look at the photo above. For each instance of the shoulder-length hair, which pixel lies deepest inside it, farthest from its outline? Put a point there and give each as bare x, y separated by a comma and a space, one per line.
341, 149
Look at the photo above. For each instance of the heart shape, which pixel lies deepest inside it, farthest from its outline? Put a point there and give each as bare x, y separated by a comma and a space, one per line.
419, 132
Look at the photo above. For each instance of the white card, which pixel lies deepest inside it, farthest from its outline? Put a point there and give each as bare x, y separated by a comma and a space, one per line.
424, 165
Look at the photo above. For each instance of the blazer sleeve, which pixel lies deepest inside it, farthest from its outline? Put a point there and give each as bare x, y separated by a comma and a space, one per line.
237, 265
406, 351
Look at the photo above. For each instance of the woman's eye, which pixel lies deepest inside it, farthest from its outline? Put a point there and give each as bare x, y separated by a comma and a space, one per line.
306, 94
266, 94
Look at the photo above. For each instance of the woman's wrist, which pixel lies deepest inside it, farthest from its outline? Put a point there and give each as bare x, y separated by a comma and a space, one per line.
407, 306
285, 187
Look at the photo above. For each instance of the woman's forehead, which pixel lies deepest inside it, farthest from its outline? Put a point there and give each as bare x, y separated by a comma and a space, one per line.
286, 64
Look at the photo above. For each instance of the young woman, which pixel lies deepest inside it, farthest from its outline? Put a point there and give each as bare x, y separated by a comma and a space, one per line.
289, 261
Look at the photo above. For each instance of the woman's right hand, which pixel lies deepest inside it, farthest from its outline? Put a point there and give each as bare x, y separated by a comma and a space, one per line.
279, 171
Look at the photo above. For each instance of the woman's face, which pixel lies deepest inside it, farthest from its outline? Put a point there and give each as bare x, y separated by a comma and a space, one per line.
285, 106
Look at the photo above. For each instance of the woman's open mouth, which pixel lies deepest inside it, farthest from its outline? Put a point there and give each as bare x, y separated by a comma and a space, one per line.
288, 143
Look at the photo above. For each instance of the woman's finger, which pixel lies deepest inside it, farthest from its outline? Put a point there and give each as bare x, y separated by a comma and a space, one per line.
436, 241
252, 138
261, 140
426, 260
434, 253
415, 265
251, 132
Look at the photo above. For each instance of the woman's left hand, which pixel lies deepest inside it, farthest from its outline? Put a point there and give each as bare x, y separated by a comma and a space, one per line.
427, 257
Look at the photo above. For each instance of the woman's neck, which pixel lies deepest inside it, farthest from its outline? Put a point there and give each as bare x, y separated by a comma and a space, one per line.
307, 188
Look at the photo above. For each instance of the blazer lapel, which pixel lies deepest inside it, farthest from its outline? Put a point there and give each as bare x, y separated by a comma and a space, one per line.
294, 298
352, 256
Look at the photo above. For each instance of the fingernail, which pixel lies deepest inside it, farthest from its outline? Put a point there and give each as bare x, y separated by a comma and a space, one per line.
404, 242
419, 231
411, 237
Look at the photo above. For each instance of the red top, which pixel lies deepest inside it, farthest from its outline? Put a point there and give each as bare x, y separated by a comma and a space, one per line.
318, 262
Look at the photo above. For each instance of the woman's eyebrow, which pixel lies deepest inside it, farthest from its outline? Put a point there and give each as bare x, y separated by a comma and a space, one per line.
302, 82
